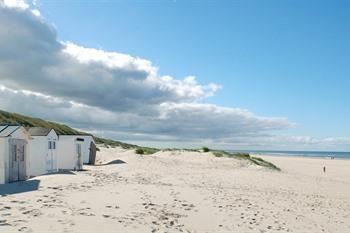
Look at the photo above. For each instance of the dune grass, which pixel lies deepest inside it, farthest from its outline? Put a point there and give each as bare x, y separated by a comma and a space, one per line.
221, 153
254, 160
61, 129
264, 163
146, 150
14, 118
113, 143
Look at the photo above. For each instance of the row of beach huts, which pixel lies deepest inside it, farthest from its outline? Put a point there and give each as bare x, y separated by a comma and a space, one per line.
34, 151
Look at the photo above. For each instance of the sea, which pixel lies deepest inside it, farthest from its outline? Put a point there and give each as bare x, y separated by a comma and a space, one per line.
322, 154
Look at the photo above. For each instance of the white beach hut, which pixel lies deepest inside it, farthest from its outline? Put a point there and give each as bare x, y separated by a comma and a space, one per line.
70, 152
42, 151
13, 153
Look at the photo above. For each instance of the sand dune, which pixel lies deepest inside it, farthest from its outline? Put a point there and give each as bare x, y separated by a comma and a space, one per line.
182, 192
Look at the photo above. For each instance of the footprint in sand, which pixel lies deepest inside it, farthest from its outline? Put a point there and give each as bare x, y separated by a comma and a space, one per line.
25, 229
5, 208
33, 213
20, 221
4, 223
87, 214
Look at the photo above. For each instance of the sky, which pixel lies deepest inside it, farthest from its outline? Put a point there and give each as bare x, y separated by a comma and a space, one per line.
226, 74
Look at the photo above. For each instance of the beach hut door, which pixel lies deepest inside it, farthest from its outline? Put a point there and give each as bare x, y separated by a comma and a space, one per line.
17, 160
51, 157
80, 157
54, 157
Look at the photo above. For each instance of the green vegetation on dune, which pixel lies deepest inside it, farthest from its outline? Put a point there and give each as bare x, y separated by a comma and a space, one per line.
222, 153
113, 143
218, 154
139, 151
14, 118
264, 163
146, 150
61, 129
246, 156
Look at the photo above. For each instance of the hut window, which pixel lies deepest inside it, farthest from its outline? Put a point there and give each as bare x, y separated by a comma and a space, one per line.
52, 145
22, 154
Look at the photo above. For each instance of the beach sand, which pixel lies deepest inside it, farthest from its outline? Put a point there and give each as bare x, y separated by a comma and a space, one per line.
177, 191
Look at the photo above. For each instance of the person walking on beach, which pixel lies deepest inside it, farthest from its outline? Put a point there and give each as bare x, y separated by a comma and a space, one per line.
324, 169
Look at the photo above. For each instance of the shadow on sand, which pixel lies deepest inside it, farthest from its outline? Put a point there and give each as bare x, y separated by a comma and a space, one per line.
61, 172
117, 161
19, 187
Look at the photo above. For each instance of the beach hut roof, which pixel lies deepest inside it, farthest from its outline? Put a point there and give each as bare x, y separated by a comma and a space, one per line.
39, 131
7, 130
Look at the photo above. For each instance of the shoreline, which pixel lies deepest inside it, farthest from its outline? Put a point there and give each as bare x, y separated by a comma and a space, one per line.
308, 154
301, 156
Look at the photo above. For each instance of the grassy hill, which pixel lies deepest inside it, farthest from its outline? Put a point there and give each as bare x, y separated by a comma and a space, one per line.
61, 129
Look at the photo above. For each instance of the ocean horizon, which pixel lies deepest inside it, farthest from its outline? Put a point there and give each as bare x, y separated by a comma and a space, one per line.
322, 154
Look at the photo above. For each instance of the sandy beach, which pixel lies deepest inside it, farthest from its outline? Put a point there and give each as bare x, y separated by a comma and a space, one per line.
177, 191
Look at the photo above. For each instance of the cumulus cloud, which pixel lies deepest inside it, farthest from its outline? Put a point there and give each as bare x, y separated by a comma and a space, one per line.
188, 120
19, 4
114, 94
32, 58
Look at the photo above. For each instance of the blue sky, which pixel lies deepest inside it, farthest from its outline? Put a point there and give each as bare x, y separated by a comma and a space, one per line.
275, 58
120, 69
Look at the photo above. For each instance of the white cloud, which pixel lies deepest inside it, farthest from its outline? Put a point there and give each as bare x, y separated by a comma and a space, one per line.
110, 80
182, 125
214, 121
190, 120
36, 12
110, 60
19, 4
188, 88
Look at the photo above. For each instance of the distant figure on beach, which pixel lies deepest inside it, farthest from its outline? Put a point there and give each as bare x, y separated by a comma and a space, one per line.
324, 168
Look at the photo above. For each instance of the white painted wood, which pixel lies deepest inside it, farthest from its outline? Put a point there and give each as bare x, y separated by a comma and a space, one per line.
41, 157
19, 133
68, 158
